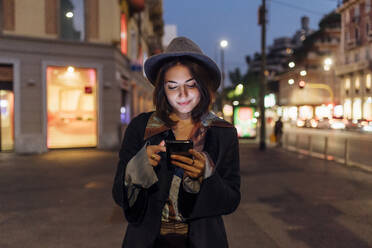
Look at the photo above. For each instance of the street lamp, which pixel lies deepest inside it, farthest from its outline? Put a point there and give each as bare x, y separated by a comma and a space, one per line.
223, 45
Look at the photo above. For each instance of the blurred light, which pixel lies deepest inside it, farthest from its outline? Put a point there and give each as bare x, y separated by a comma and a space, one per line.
326, 67
227, 110
257, 114
313, 123
235, 103
254, 120
367, 128
289, 50
291, 81
338, 125
239, 89
224, 43
303, 73
123, 110
3, 103
368, 81
69, 14
369, 99
70, 69
328, 61
253, 100
291, 64
338, 111
300, 123
301, 84
269, 100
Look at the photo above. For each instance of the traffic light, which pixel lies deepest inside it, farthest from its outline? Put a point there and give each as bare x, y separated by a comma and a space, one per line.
301, 84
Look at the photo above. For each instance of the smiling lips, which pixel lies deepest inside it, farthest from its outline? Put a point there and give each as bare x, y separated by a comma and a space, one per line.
184, 103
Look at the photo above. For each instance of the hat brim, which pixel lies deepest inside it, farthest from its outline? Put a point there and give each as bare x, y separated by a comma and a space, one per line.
153, 64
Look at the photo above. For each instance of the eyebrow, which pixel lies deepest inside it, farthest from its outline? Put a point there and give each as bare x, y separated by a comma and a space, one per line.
170, 81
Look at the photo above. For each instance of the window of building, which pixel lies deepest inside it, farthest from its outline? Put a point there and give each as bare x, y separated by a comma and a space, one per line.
72, 20
356, 11
347, 16
368, 82
368, 6
356, 33
347, 86
357, 83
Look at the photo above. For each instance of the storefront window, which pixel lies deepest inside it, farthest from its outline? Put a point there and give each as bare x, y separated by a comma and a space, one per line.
72, 106
347, 108
367, 109
306, 112
6, 121
72, 19
357, 109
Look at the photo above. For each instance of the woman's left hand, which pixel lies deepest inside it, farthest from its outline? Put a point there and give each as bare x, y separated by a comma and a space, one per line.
193, 167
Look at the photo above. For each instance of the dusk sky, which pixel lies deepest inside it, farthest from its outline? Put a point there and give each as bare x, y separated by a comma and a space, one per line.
208, 21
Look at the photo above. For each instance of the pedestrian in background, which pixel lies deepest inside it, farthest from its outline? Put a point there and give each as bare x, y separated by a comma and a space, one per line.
278, 131
179, 203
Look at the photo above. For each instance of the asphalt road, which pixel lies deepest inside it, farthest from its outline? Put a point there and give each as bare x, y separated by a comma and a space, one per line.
63, 199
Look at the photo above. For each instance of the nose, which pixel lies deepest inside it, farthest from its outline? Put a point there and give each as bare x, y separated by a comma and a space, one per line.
183, 91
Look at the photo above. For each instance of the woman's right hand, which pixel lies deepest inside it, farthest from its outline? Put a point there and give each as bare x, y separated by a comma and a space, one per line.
152, 153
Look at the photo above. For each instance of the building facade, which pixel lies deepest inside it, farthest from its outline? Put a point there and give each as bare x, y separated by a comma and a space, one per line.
71, 71
355, 67
309, 89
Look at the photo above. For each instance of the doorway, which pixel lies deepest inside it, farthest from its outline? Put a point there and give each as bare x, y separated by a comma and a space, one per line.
6, 108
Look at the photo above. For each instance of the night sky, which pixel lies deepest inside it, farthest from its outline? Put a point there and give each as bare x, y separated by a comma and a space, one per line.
208, 21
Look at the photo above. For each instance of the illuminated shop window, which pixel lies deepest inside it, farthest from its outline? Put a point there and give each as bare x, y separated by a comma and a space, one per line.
367, 109
72, 106
357, 109
7, 117
72, 19
347, 108
306, 112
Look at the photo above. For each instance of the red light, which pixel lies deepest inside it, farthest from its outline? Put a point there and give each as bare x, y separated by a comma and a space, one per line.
301, 84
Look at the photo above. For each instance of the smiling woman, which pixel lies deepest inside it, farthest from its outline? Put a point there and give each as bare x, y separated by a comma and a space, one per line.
169, 202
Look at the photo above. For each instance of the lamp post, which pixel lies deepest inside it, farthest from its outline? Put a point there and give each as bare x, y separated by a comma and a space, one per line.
223, 45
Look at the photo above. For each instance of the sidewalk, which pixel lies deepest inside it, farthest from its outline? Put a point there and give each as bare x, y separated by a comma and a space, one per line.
63, 199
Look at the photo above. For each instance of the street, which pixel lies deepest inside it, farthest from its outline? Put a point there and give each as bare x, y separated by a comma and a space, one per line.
63, 199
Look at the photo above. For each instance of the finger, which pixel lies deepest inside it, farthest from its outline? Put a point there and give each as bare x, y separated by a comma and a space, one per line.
157, 148
192, 175
185, 167
153, 162
199, 164
155, 157
181, 158
162, 143
197, 155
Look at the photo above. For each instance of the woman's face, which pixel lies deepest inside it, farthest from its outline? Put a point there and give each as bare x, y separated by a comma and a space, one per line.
181, 90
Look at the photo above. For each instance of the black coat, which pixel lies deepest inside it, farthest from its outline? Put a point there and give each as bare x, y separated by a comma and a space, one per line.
219, 194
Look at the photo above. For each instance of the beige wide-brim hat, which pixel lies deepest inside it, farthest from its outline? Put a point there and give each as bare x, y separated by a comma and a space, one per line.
182, 47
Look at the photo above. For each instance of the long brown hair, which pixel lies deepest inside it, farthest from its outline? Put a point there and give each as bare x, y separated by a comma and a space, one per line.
202, 77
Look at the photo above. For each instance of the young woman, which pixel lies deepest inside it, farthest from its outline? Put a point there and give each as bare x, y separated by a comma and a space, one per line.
179, 203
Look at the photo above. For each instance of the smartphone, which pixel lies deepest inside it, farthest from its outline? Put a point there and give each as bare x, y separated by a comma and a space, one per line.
179, 147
